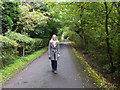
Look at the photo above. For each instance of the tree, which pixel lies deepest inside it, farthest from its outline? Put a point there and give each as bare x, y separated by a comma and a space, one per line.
106, 27
30, 21
10, 16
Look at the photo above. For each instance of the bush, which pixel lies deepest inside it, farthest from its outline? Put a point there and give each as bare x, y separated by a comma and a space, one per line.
7, 23
8, 52
6, 42
8, 56
73, 36
45, 42
19, 37
38, 43
10, 15
16, 44
24, 41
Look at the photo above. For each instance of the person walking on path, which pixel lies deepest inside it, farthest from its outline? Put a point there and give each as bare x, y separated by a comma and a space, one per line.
54, 52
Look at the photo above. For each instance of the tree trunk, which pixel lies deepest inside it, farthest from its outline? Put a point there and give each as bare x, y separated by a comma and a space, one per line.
107, 39
23, 49
16, 51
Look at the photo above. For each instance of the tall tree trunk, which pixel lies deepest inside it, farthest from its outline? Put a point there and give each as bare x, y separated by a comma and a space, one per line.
107, 39
23, 49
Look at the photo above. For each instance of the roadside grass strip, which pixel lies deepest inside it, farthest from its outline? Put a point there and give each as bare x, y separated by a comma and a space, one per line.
9, 71
99, 80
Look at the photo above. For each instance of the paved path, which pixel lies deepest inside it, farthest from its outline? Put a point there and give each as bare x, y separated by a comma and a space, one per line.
38, 74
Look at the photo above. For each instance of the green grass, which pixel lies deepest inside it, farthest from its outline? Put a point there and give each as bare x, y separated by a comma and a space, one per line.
9, 71
99, 80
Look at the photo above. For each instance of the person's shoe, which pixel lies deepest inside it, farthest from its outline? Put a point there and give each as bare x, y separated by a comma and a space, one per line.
55, 72
52, 70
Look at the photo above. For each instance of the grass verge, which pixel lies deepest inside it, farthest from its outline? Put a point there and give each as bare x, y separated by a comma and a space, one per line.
99, 80
9, 71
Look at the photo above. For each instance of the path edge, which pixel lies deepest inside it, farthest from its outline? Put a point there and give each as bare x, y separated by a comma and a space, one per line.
23, 67
99, 80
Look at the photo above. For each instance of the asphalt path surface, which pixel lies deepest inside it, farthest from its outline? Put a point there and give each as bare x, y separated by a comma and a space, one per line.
38, 74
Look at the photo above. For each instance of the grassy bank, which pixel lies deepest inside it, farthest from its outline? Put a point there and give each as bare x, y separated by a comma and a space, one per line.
9, 71
99, 80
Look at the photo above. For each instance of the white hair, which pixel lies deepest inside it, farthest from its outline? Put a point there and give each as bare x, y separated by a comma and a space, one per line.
54, 35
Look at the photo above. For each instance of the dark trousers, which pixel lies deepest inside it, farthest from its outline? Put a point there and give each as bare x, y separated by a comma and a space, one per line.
54, 64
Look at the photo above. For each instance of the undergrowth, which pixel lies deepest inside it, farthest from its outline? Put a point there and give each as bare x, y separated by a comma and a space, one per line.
100, 81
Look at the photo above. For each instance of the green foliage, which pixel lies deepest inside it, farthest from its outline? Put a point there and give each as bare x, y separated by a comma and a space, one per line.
45, 42
73, 36
25, 46
41, 7
38, 43
86, 22
83, 23
1, 5
100, 81
19, 37
8, 52
6, 42
30, 21
8, 56
27, 28
18, 65
10, 15
51, 27
7, 23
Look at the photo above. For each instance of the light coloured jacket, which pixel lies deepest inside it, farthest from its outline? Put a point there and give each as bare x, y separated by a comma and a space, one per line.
54, 49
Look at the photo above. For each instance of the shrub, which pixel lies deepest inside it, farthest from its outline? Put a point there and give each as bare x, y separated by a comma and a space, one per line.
8, 53
6, 42
73, 36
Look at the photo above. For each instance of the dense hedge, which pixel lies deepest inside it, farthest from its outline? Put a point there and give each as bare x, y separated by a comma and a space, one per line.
19, 37
6, 42
8, 47
15, 45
